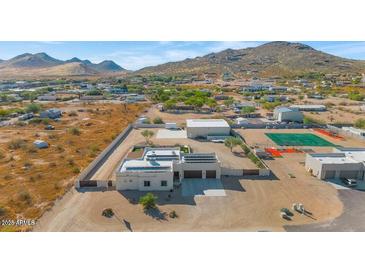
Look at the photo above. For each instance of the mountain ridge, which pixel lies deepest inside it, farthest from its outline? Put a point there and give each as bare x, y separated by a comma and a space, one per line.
273, 58
42, 64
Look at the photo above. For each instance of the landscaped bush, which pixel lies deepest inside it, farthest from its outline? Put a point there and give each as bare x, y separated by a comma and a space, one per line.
158, 120
148, 201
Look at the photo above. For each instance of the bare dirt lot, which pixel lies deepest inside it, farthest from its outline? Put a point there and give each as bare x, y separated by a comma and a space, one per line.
32, 179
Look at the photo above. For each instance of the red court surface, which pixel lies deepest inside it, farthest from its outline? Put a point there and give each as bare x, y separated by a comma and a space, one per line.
328, 133
274, 152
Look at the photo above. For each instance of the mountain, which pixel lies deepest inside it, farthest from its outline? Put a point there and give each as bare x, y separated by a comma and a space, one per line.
274, 58
43, 65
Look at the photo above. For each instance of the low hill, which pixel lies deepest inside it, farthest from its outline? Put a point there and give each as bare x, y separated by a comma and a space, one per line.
274, 58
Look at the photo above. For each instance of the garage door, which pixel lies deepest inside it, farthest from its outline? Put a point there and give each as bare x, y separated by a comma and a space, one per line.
211, 174
329, 174
193, 174
349, 174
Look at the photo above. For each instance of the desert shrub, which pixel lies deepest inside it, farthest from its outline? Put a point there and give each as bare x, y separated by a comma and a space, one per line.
108, 212
45, 121
73, 113
360, 123
71, 162
16, 144
3, 211
173, 214
75, 170
25, 196
148, 201
60, 148
20, 123
75, 131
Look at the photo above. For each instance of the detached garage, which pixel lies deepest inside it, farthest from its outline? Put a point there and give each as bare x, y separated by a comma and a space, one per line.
202, 128
328, 166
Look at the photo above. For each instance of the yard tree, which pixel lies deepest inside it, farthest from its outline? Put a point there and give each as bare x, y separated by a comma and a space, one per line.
147, 134
248, 110
231, 142
148, 201
35, 108
360, 123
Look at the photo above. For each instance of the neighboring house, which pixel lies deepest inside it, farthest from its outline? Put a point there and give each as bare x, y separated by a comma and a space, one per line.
25, 116
278, 89
52, 113
284, 114
158, 168
92, 97
354, 131
203, 128
47, 98
241, 121
309, 107
346, 163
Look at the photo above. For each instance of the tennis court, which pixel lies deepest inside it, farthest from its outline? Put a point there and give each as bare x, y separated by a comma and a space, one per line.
298, 139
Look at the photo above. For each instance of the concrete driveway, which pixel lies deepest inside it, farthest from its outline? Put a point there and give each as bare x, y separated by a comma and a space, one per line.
202, 187
352, 218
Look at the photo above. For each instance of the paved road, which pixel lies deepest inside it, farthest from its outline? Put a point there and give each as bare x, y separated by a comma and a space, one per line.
352, 218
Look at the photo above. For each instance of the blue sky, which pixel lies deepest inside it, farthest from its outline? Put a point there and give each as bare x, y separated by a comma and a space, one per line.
136, 55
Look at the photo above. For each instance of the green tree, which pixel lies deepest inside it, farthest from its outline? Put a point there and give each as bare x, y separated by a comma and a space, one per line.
35, 108
360, 123
147, 134
148, 201
248, 109
231, 142
158, 120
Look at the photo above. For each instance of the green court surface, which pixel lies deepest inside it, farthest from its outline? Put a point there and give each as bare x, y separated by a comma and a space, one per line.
298, 139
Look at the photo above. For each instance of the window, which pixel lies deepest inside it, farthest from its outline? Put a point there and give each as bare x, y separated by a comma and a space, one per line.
163, 183
147, 183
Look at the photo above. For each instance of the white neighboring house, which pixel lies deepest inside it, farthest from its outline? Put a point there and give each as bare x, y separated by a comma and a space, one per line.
342, 163
157, 169
203, 128
241, 121
309, 107
284, 114
354, 131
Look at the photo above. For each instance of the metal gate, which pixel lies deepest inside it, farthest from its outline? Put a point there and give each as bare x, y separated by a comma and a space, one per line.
88, 183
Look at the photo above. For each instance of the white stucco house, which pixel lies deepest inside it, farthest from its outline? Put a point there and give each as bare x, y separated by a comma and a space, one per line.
341, 163
203, 128
284, 114
159, 168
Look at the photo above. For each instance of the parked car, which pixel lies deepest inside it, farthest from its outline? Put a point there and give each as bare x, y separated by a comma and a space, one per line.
349, 182
49, 127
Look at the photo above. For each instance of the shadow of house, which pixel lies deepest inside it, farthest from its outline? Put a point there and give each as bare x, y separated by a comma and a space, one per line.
163, 197
233, 183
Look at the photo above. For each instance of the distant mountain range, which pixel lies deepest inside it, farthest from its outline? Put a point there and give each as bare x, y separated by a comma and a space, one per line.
274, 58
43, 65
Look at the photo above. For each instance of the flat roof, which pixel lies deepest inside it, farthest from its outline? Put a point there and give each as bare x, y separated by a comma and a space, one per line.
333, 158
207, 123
308, 106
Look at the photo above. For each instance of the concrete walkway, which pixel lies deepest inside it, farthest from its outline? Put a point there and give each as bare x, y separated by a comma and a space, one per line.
202, 187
